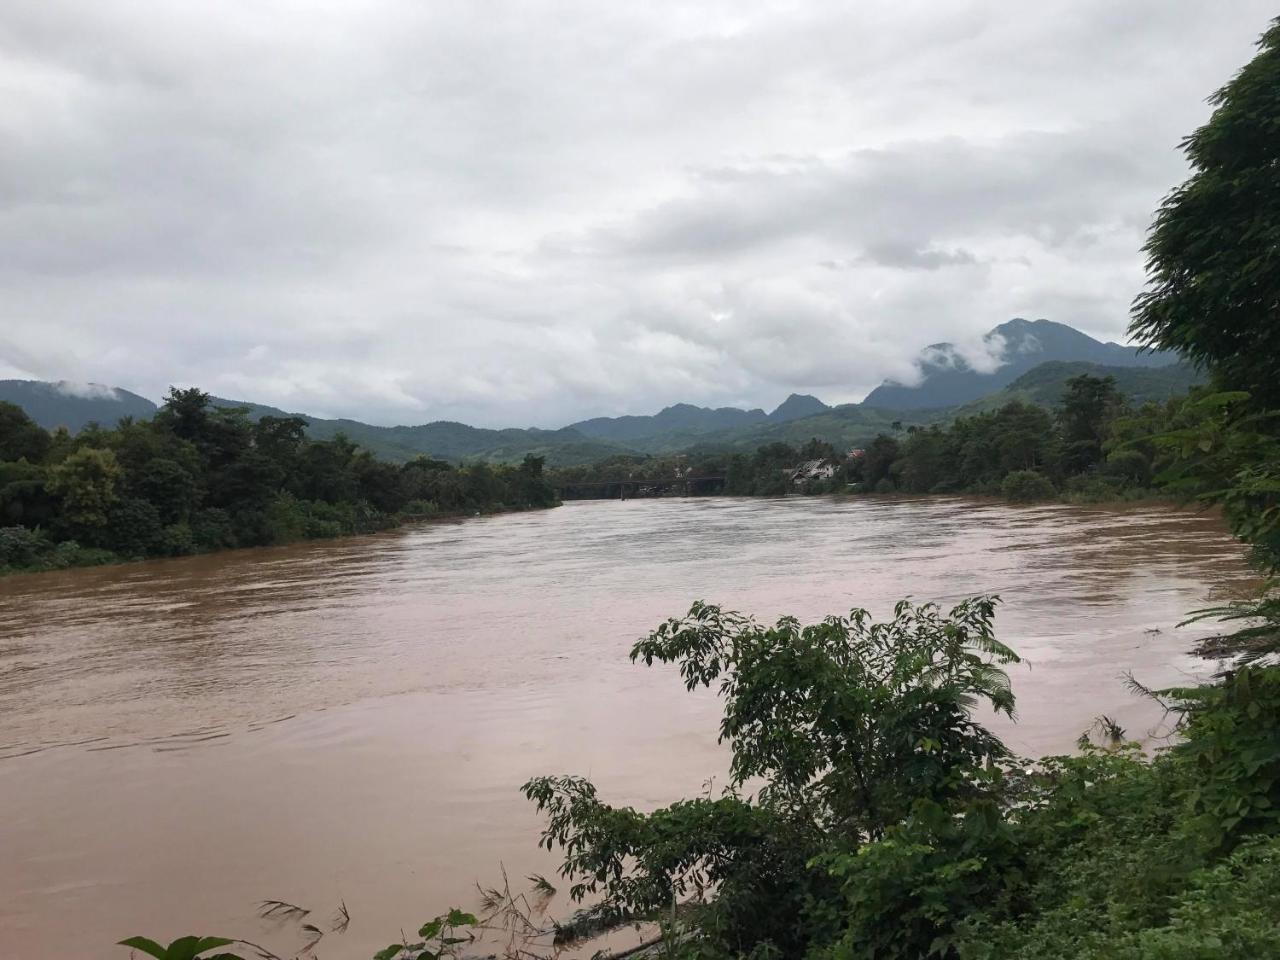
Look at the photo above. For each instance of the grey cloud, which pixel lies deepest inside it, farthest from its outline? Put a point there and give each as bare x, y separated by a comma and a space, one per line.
906, 256
534, 212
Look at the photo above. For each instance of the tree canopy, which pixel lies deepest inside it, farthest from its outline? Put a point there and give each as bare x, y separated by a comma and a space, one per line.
1214, 248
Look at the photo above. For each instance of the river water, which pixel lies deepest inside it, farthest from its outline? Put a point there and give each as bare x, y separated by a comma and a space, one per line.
350, 721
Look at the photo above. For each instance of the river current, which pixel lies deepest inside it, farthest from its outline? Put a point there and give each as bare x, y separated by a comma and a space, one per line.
350, 721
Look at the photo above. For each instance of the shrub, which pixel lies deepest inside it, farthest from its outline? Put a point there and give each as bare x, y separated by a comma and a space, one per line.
285, 520
1027, 486
854, 728
20, 546
177, 540
68, 553
1129, 467
212, 529
134, 528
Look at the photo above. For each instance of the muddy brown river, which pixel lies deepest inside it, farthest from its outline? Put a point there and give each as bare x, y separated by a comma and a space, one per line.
350, 721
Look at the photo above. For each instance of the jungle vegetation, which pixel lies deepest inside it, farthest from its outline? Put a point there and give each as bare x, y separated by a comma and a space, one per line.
197, 478
1092, 445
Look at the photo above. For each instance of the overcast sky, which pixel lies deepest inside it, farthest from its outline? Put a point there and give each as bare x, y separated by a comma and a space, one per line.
527, 213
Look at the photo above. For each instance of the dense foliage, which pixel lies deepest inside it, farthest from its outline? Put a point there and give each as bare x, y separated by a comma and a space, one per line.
198, 477
1214, 294
1093, 446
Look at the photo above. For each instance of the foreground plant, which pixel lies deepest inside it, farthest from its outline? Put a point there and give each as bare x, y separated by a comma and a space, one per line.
851, 727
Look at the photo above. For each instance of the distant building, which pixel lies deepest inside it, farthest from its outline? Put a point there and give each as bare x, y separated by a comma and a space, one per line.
812, 470
857, 453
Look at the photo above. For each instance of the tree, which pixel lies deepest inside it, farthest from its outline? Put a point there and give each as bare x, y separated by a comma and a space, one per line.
21, 438
1088, 406
853, 727
1214, 275
86, 481
878, 459
186, 413
815, 449
170, 488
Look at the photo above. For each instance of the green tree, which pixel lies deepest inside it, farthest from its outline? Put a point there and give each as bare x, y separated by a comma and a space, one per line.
1212, 263
878, 460
816, 449
86, 481
850, 725
1027, 486
21, 438
1088, 407
170, 488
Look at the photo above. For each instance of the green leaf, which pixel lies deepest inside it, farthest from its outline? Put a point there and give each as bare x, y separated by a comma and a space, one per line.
149, 947
431, 928
388, 952
210, 943
184, 948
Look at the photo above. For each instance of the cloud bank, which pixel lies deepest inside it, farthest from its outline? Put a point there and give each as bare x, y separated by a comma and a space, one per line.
528, 213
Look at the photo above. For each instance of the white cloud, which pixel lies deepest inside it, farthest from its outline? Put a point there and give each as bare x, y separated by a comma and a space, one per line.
93, 391
534, 212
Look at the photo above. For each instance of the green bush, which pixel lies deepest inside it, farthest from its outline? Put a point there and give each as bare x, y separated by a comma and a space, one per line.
285, 520
68, 553
177, 540
134, 528
1129, 467
862, 736
211, 529
20, 546
1027, 486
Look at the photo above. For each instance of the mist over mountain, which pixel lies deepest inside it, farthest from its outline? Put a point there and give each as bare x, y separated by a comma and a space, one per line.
74, 405
951, 376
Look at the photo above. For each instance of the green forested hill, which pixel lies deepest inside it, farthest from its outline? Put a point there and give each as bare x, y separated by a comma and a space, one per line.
677, 428
1045, 384
74, 405
448, 440
849, 425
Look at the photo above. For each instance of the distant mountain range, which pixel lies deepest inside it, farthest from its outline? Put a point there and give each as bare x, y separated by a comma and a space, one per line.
687, 420
948, 379
1030, 360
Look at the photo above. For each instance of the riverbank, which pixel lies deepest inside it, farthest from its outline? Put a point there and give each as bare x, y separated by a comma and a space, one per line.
69, 555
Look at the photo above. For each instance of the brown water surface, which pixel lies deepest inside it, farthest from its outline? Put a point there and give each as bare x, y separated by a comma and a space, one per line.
350, 721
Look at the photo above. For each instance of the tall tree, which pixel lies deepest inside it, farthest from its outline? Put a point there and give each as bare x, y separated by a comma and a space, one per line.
1214, 248
1088, 405
87, 482
21, 438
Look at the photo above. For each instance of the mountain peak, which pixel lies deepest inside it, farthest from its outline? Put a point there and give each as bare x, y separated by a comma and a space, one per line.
1015, 346
73, 405
797, 405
